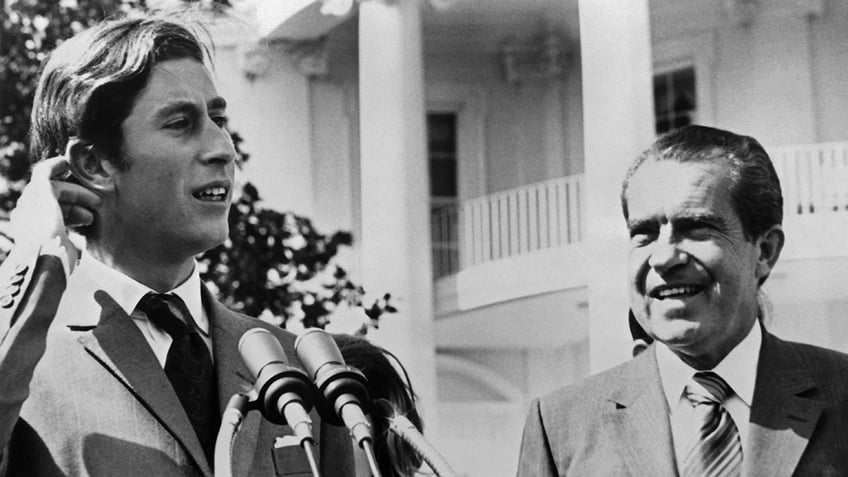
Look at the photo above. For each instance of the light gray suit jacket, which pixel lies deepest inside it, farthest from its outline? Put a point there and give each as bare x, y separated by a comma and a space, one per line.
100, 404
616, 423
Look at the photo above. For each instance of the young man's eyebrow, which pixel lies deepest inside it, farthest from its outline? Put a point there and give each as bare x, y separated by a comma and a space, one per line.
190, 106
177, 107
217, 103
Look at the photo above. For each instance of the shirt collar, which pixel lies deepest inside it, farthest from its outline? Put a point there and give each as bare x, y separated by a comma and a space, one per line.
738, 368
127, 292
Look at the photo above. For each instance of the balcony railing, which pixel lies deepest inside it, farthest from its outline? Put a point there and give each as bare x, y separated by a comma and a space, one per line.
541, 216
507, 224
814, 178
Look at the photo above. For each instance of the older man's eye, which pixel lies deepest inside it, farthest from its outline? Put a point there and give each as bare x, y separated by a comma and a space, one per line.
642, 235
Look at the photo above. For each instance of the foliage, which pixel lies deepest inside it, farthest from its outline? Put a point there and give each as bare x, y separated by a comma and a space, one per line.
279, 267
30, 29
274, 265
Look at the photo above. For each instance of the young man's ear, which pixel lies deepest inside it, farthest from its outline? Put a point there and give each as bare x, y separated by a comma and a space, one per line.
770, 246
89, 166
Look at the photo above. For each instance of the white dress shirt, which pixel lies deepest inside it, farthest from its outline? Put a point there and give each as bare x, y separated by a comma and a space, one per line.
738, 369
92, 275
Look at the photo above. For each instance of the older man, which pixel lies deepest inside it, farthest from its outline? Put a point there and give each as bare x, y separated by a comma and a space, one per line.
124, 367
717, 394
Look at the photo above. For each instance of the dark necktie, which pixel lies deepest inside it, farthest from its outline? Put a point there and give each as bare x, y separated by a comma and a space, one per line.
716, 449
188, 365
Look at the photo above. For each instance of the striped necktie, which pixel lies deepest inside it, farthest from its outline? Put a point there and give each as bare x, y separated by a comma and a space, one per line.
715, 450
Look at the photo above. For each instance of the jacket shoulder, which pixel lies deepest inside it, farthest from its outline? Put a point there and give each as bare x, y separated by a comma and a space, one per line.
827, 366
586, 393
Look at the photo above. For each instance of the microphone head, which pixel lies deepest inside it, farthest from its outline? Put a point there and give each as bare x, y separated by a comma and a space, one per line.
315, 348
259, 348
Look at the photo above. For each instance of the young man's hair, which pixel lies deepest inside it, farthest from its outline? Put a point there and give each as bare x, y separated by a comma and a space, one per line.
89, 83
755, 187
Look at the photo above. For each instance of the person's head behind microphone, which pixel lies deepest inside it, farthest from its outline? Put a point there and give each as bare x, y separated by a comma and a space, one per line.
391, 394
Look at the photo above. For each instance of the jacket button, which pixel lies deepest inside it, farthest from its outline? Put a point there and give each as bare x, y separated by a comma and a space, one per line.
21, 269
17, 279
13, 290
6, 301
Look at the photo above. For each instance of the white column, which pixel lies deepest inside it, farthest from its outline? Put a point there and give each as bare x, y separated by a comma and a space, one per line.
618, 124
394, 182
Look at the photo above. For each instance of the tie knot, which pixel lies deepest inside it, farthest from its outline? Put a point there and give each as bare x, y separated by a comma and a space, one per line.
707, 387
167, 311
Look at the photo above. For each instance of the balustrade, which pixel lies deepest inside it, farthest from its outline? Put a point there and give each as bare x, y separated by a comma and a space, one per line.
546, 215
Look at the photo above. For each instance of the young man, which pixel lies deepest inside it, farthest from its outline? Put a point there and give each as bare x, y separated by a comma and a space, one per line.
716, 394
122, 364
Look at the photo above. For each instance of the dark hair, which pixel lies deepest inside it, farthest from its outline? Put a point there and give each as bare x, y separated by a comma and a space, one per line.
89, 83
755, 187
636, 330
391, 393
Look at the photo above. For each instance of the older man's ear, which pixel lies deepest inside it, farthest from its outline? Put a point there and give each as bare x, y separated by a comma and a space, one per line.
770, 244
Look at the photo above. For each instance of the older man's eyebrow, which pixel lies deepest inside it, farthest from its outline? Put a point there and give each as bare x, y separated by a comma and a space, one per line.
697, 219
640, 225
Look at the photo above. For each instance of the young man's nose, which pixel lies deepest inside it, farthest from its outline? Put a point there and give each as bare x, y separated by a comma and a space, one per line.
219, 145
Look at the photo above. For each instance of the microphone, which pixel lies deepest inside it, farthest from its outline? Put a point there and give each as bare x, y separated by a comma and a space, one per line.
344, 388
284, 393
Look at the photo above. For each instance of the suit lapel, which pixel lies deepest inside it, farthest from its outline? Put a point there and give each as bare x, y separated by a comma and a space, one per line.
638, 418
226, 329
782, 420
118, 345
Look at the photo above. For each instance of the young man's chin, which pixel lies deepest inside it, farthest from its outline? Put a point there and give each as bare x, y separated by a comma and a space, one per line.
209, 239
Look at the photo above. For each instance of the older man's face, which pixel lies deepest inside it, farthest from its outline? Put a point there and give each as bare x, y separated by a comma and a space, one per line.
693, 274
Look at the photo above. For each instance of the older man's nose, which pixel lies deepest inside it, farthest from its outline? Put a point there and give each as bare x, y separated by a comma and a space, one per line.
666, 253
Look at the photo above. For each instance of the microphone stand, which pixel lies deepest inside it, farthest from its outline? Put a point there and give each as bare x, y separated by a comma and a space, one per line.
234, 414
369, 454
230, 424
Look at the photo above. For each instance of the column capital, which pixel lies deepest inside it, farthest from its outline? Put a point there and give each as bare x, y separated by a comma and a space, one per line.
309, 56
742, 12
343, 7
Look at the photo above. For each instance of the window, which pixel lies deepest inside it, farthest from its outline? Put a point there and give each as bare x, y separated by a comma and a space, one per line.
442, 158
674, 99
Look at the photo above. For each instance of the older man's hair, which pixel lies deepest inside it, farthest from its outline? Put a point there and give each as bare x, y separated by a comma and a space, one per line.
89, 83
755, 188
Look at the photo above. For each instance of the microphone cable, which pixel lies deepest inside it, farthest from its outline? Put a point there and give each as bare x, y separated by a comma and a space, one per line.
406, 430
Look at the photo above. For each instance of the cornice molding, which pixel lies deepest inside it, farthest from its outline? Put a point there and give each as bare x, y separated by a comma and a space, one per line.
745, 12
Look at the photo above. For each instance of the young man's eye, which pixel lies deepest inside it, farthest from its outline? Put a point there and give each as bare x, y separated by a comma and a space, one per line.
178, 124
221, 121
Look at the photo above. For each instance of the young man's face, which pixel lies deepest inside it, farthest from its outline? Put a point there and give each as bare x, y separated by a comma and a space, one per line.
176, 193
693, 274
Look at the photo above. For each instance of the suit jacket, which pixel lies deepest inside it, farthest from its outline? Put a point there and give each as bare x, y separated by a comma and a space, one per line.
100, 403
616, 422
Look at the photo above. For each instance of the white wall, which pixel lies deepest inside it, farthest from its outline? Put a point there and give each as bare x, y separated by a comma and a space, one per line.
521, 143
829, 51
272, 114
780, 78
